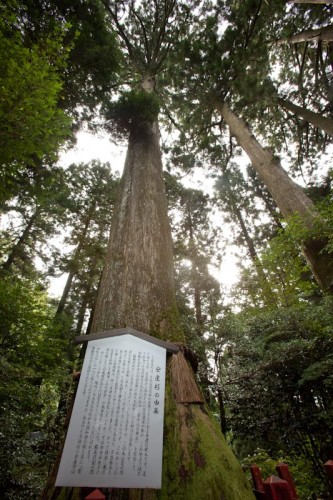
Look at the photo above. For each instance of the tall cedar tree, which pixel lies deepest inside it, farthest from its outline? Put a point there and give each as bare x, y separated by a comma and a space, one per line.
289, 197
137, 286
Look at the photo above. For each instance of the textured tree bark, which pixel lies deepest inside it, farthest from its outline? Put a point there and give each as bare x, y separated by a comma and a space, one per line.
316, 119
289, 197
137, 290
137, 287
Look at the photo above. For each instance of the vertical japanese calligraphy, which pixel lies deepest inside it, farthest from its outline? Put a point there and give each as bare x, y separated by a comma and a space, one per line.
115, 435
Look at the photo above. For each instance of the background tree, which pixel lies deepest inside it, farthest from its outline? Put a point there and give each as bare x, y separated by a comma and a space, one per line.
92, 190
37, 215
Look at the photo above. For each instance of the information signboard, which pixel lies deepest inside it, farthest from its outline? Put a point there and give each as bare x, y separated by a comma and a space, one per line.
115, 436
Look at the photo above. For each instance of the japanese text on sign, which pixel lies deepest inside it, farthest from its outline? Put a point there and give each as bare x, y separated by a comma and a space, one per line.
116, 430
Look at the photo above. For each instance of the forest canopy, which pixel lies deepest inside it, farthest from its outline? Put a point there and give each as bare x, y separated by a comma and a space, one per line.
243, 93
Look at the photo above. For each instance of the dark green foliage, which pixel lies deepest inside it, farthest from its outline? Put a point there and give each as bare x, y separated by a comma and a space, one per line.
35, 355
130, 110
286, 274
278, 382
37, 216
32, 127
57, 63
93, 55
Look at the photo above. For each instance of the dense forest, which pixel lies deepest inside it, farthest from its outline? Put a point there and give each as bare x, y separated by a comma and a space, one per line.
237, 95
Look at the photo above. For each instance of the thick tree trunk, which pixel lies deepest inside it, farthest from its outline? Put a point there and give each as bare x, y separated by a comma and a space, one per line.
137, 290
316, 119
289, 197
324, 34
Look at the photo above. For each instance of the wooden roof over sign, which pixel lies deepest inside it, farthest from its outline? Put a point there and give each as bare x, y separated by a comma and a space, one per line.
172, 348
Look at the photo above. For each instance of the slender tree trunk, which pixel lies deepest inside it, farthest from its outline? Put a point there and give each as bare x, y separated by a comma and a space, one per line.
316, 119
195, 277
324, 34
249, 242
16, 251
223, 419
89, 296
289, 197
73, 268
253, 253
65, 292
82, 313
269, 203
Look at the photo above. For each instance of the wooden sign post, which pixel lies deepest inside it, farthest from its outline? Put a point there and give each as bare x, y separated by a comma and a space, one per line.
115, 435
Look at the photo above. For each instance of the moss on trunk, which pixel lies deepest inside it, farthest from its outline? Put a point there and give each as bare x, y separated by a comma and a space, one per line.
197, 462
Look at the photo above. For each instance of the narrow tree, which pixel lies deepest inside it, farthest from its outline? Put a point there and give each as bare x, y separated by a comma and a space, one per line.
317, 119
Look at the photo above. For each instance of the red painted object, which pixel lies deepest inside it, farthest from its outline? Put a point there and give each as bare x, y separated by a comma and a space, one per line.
284, 473
277, 489
256, 477
329, 470
96, 495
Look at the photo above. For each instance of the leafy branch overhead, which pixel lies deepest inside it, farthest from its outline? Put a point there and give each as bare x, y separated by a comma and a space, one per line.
147, 30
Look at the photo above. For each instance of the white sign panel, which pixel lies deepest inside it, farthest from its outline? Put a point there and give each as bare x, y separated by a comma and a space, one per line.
115, 436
